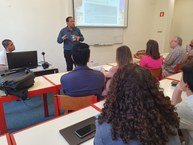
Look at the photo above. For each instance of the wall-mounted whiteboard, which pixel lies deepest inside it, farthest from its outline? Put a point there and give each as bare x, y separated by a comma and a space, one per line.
102, 36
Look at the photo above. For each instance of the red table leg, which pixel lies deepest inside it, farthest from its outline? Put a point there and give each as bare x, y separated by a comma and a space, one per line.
3, 125
56, 105
45, 103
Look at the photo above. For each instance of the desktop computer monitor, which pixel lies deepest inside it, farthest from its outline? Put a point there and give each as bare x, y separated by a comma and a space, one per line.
23, 59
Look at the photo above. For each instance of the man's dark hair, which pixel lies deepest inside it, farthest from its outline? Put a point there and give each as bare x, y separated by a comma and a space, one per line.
187, 70
81, 53
67, 19
6, 42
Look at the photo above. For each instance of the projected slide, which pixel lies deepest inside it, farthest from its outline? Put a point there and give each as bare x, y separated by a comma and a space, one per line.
100, 13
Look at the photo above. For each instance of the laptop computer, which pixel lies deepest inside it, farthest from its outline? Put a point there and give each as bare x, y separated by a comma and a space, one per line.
70, 133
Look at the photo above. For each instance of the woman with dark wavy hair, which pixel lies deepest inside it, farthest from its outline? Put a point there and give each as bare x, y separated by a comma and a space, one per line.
136, 112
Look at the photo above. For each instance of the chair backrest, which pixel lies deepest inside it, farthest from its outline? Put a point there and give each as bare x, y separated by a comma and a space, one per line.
177, 68
69, 103
140, 54
157, 73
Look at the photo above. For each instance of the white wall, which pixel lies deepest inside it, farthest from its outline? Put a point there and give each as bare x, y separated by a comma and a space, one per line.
34, 25
162, 25
182, 21
139, 24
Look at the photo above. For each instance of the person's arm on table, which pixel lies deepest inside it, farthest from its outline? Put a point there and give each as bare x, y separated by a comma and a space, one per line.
176, 96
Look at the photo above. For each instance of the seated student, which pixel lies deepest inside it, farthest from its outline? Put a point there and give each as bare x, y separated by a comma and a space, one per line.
136, 112
176, 56
123, 57
82, 81
152, 59
184, 107
189, 51
9, 47
189, 48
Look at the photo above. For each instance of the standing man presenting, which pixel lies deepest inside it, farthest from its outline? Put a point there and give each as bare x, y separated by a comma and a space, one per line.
69, 36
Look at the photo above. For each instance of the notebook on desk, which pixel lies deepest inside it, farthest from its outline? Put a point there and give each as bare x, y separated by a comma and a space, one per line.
70, 133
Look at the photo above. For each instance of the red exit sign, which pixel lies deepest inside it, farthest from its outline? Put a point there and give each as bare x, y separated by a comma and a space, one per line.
161, 14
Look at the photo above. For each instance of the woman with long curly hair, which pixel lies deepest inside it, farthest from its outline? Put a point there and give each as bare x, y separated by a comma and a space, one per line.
136, 112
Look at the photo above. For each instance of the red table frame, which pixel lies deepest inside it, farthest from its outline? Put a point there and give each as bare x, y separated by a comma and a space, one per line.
8, 138
56, 100
43, 92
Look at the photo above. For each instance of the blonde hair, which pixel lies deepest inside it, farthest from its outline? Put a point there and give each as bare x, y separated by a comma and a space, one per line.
123, 55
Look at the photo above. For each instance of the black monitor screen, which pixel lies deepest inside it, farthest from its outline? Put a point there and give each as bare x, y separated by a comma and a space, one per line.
24, 59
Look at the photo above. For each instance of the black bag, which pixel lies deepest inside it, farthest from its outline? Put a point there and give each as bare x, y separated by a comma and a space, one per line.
17, 82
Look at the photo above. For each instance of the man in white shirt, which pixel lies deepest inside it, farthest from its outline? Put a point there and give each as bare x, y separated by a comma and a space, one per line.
9, 47
184, 107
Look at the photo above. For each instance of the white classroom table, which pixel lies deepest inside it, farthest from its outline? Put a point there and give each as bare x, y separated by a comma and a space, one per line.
5, 140
175, 76
168, 89
164, 54
135, 60
99, 105
40, 83
40, 87
47, 133
55, 78
112, 64
102, 67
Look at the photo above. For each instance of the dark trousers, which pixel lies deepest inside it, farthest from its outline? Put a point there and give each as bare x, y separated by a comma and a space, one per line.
68, 58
